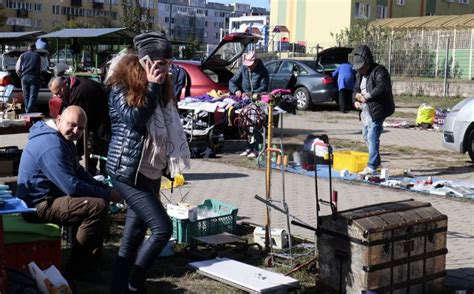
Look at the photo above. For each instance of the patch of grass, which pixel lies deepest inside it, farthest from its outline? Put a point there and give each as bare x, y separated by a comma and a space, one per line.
400, 114
172, 275
437, 102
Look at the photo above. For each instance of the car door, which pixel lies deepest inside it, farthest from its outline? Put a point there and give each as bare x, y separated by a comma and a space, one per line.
283, 75
272, 68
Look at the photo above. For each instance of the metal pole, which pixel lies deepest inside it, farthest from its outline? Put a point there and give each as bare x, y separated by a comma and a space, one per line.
390, 44
86, 149
470, 55
268, 173
445, 82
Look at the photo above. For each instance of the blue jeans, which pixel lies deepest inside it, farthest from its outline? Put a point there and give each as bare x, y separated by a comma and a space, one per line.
145, 211
30, 85
371, 134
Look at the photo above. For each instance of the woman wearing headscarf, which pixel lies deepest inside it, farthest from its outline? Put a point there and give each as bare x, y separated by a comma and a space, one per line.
147, 141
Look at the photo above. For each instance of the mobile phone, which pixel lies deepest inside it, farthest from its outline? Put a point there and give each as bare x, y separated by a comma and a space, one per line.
144, 60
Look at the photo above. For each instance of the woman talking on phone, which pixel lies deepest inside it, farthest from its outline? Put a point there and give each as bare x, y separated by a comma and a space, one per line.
147, 142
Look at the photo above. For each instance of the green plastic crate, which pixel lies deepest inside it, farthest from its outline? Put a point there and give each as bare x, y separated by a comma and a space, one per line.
184, 230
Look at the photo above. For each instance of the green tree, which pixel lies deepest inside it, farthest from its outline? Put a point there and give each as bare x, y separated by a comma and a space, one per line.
137, 18
73, 24
193, 49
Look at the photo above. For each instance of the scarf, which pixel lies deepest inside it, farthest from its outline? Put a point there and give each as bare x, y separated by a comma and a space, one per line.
166, 144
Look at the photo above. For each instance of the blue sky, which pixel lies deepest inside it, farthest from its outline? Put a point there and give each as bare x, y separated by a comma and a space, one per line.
253, 3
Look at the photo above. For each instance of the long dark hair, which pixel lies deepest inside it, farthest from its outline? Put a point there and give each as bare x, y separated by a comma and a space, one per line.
130, 74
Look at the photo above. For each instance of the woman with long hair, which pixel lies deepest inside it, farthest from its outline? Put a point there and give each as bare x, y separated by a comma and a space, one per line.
147, 142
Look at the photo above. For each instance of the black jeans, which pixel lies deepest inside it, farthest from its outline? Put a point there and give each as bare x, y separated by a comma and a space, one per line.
145, 211
345, 100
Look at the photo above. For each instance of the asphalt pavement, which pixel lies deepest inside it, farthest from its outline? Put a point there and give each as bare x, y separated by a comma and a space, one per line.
238, 186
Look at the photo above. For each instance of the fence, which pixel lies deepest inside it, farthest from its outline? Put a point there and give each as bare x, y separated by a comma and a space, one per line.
423, 56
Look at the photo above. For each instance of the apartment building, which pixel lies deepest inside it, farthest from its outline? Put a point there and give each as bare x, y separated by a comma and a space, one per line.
206, 21
180, 19
313, 21
30, 15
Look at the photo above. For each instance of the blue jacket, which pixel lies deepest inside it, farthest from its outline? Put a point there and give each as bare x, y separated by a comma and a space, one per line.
345, 76
49, 168
250, 82
128, 132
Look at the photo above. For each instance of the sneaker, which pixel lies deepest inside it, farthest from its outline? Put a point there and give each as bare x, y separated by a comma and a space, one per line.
245, 153
367, 171
252, 155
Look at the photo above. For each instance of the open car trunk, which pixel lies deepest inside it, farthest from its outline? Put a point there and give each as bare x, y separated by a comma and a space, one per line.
328, 59
219, 64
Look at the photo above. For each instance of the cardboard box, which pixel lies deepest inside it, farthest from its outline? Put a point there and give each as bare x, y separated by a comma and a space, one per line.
182, 211
279, 237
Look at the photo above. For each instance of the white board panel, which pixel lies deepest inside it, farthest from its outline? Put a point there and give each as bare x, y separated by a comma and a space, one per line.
244, 276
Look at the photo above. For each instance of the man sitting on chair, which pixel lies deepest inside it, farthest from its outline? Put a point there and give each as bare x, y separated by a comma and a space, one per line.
52, 180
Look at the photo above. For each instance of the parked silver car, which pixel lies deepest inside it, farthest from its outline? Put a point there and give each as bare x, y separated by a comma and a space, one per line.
458, 128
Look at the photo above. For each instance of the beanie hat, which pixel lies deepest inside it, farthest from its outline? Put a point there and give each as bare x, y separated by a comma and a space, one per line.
153, 44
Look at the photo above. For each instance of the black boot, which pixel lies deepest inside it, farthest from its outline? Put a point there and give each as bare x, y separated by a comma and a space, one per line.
121, 273
137, 280
82, 265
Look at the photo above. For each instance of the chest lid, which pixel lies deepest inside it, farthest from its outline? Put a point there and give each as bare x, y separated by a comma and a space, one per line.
364, 223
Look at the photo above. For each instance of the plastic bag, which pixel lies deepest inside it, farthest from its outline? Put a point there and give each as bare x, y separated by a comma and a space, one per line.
426, 114
166, 183
49, 281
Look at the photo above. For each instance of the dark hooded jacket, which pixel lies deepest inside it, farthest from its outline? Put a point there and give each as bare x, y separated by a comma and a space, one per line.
379, 86
250, 81
49, 168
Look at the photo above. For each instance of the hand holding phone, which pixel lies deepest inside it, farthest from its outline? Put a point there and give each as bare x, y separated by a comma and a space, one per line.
146, 60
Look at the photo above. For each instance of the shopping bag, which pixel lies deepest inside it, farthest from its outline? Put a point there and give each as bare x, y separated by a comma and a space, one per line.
426, 114
49, 281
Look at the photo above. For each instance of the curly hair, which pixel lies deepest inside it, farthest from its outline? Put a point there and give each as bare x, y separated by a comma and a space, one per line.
130, 74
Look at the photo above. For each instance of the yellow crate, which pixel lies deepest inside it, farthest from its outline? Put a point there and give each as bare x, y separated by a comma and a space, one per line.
353, 161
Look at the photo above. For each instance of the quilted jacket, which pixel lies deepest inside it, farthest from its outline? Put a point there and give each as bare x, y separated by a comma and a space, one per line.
128, 132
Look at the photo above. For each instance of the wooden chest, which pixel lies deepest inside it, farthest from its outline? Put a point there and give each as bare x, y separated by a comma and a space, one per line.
396, 247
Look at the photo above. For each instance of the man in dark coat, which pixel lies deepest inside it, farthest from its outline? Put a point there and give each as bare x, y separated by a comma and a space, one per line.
251, 78
28, 68
373, 97
90, 96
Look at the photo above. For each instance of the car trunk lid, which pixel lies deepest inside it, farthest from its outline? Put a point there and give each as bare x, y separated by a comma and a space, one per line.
229, 50
331, 57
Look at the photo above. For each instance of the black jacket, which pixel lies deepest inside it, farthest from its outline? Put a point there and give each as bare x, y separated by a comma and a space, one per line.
128, 132
379, 86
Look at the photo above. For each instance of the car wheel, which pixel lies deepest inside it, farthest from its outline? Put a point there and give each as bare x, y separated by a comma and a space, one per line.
303, 99
470, 145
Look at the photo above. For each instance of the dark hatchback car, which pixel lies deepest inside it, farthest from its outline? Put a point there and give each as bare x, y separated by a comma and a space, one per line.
313, 83
214, 72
